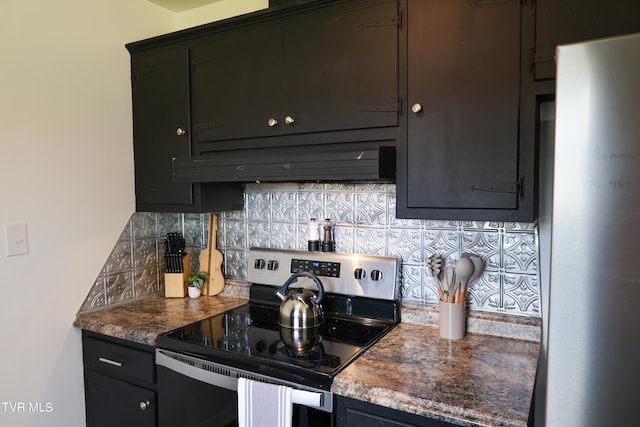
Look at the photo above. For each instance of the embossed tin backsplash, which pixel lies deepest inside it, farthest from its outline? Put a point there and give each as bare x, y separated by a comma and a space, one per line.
364, 217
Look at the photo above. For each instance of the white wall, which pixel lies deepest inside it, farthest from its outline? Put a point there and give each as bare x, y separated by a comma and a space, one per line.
218, 10
66, 169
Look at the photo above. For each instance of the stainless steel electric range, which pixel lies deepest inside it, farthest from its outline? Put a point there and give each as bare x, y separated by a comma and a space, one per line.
199, 364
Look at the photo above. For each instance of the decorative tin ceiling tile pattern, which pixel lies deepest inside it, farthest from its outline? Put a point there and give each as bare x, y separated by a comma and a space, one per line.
364, 218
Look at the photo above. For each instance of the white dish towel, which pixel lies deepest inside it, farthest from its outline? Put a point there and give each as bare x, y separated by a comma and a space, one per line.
263, 405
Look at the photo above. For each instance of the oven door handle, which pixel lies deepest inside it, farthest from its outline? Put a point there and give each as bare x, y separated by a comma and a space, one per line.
211, 378
298, 397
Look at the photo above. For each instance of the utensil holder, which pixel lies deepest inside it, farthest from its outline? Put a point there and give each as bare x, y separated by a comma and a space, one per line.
174, 283
452, 320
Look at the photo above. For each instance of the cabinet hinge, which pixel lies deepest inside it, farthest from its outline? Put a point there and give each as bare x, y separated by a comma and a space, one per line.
499, 187
383, 108
385, 21
475, 3
203, 127
532, 59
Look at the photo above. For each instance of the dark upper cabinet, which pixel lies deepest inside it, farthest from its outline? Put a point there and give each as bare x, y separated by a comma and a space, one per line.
571, 21
236, 83
459, 151
323, 70
160, 90
341, 67
161, 132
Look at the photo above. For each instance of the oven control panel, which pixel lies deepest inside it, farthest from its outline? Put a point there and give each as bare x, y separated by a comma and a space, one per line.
350, 274
318, 268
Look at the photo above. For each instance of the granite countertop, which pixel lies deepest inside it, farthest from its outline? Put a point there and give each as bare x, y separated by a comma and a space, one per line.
143, 320
485, 379
480, 380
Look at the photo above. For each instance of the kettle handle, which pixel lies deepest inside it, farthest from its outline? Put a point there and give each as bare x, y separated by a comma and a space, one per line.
280, 293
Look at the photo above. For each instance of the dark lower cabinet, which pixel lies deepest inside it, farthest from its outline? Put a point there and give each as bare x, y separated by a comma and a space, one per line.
111, 402
357, 413
119, 381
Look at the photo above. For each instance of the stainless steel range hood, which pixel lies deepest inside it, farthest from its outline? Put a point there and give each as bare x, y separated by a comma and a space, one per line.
335, 162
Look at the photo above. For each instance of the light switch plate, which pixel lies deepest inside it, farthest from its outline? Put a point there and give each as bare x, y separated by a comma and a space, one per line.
17, 242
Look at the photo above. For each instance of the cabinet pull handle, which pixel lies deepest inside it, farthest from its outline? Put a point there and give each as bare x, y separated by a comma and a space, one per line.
416, 108
110, 362
272, 122
181, 132
144, 405
289, 120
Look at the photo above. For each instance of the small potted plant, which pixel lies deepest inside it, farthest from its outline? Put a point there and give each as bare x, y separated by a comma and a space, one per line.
196, 282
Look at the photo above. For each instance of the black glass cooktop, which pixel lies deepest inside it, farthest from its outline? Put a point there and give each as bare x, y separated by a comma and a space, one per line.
249, 337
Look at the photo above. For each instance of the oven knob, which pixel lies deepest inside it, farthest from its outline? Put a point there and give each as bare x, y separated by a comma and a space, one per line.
258, 264
272, 265
376, 275
360, 274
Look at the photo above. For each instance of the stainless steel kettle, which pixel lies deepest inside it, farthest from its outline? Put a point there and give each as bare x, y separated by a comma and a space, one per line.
300, 308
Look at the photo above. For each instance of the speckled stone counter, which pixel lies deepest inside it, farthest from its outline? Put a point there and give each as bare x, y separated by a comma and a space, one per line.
481, 380
143, 320
485, 379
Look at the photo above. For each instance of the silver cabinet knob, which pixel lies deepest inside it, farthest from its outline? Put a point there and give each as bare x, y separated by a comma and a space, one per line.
272, 122
289, 120
416, 108
144, 405
181, 132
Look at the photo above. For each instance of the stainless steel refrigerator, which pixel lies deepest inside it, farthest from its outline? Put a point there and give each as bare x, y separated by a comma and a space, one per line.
593, 346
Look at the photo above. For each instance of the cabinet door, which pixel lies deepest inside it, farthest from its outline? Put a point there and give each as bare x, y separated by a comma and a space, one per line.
160, 89
570, 21
357, 413
110, 402
341, 67
236, 83
332, 68
461, 155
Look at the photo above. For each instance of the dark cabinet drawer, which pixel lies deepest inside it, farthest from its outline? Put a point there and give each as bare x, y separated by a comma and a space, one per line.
118, 360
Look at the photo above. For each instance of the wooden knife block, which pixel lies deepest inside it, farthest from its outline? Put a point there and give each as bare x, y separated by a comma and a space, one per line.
174, 283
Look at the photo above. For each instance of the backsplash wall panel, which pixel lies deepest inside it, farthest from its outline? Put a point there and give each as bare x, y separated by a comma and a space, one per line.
277, 216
